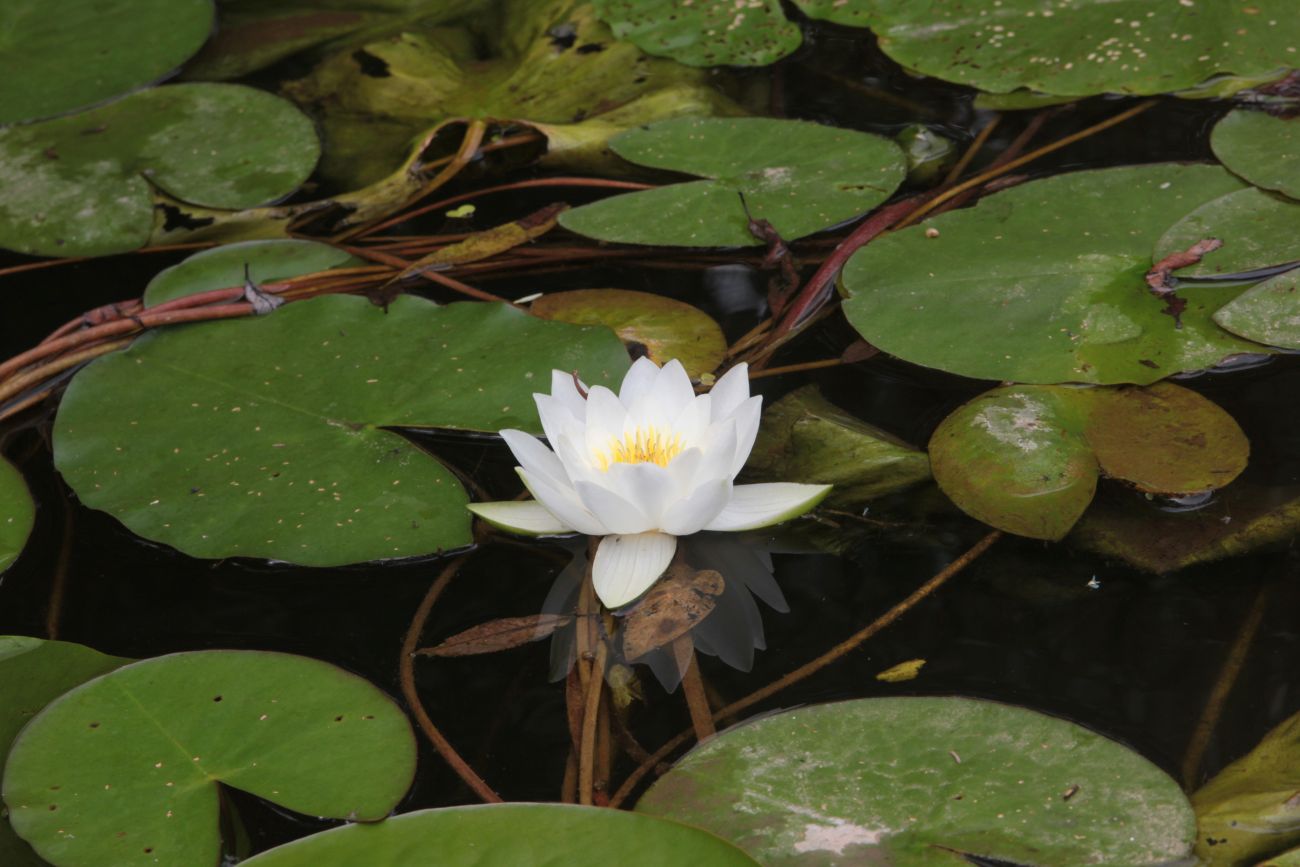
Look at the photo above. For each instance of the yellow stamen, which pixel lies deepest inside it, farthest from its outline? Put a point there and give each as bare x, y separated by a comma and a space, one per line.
643, 446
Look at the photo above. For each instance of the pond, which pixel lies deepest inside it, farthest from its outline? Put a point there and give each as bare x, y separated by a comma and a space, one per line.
1033, 323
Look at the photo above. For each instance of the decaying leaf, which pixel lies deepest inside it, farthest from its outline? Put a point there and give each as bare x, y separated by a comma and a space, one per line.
489, 242
496, 635
670, 609
903, 671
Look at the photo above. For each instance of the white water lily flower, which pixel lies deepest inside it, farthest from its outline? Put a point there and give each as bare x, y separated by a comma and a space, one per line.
641, 468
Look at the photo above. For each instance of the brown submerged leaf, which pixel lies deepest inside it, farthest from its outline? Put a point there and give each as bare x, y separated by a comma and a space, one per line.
496, 635
670, 609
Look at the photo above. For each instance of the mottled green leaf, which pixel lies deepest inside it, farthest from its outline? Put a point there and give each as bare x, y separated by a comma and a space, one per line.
270, 437
1258, 229
1024, 287
33, 673
805, 438
651, 325
58, 56
704, 32
1026, 459
123, 769
925, 781
509, 835
81, 185
801, 177
1290, 858
1250, 809
17, 514
223, 267
1263, 149
1267, 313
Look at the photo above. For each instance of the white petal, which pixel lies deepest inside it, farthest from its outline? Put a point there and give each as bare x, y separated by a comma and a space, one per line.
692, 423
556, 418
626, 566
730, 391
719, 453
754, 506
685, 471
615, 512
534, 457
563, 503
747, 417
565, 390
606, 419
638, 381
577, 461
670, 393
691, 514
651, 487
526, 517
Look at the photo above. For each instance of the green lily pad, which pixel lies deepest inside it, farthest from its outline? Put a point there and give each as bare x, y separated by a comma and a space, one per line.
508, 835
1289, 858
17, 514
223, 267
548, 61
268, 437
33, 673
1258, 229
801, 177
651, 325
926, 781
1026, 289
1026, 459
1263, 149
123, 769
81, 185
58, 56
1249, 810
1268, 312
806, 438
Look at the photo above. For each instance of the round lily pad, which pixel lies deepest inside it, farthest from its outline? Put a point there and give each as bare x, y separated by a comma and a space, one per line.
81, 185
17, 514
223, 267
269, 437
123, 769
57, 56
1026, 459
1044, 282
1268, 312
704, 32
509, 835
801, 177
926, 781
651, 325
1263, 149
1258, 229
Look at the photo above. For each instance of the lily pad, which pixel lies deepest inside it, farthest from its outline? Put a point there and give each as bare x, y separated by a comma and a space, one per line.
1249, 809
223, 267
1026, 288
801, 177
81, 185
269, 437
1263, 149
1290, 858
123, 770
805, 438
17, 514
33, 673
508, 835
1258, 230
1268, 312
1026, 459
651, 325
57, 56
548, 61
926, 781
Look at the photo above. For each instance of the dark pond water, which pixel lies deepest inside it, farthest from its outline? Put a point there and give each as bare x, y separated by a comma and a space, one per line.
1129, 654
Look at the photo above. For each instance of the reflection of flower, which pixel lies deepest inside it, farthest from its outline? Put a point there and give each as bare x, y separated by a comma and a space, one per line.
641, 468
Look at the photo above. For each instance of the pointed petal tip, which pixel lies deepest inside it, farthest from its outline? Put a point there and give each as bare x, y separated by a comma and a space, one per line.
524, 517
626, 566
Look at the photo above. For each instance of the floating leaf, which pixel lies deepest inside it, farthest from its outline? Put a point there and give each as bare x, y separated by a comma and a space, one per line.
674, 606
497, 635
1021, 288
1252, 807
1286, 859
1267, 313
1263, 149
33, 673
1258, 229
548, 61
489, 242
652, 325
1026, 459
123, 769
903, 671
81, 185
268, 437
926, 781
704, 32
62, 55
806, 438
17, 514
802, 177
508, 835
223, 267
